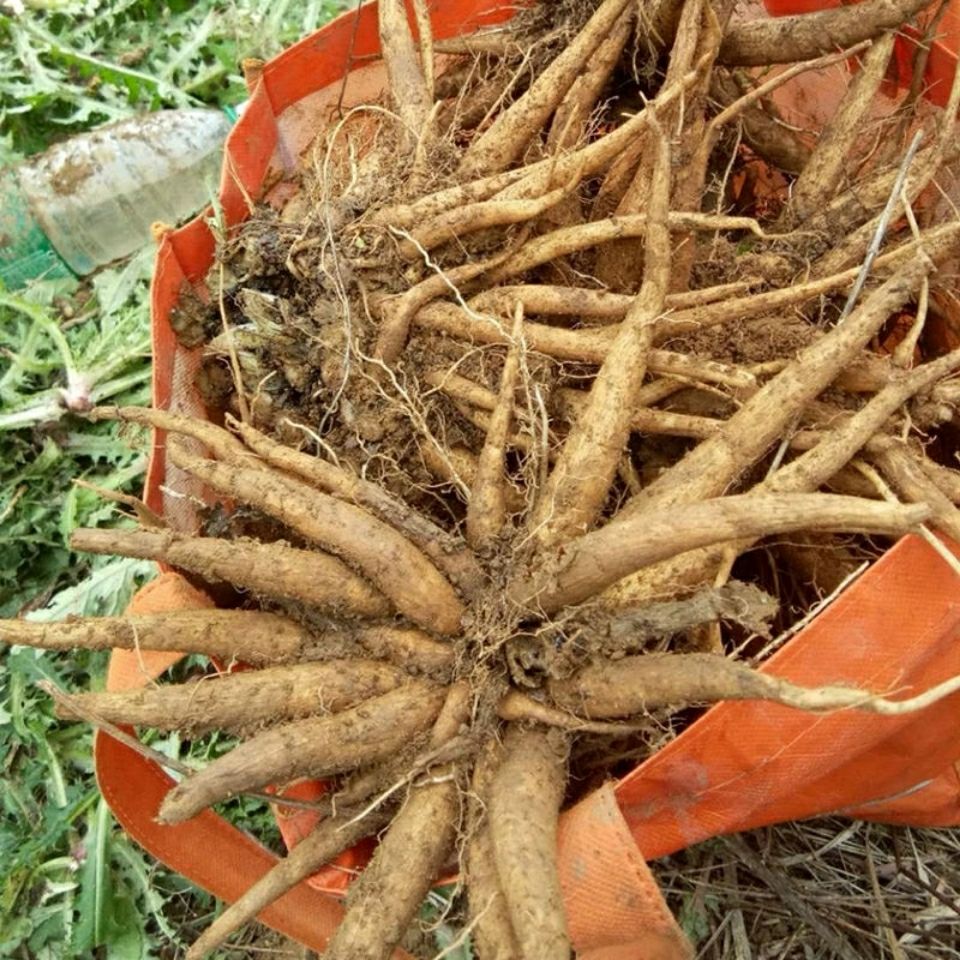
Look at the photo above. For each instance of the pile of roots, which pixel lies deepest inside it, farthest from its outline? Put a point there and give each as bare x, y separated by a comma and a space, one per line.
513, 389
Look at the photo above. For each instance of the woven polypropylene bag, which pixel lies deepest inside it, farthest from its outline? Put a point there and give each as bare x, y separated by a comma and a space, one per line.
740, 766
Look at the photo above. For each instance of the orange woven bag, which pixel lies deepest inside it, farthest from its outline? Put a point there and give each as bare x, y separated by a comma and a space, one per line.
742, 765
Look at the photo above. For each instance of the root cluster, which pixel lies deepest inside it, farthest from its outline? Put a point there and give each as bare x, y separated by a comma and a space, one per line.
517, 390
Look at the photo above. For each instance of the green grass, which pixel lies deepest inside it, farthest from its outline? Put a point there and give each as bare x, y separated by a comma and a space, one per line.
72, 885
42, 449
65, 66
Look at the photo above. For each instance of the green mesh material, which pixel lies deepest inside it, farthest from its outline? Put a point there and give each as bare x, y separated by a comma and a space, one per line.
25, 251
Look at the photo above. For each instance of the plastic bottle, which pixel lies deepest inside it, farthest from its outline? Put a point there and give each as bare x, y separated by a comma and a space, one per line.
91, 199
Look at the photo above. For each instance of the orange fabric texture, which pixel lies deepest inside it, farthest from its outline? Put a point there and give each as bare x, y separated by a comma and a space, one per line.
615, 910
745, 765
741, 765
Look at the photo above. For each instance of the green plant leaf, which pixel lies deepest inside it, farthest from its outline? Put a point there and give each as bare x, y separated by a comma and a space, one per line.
106, 592
132, 862
93, 901
125, 939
